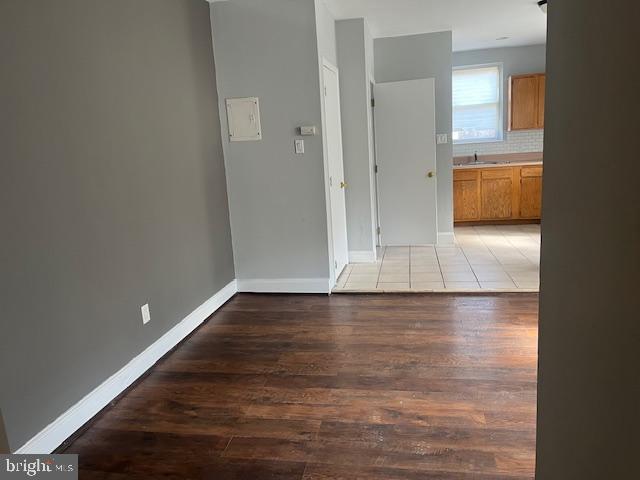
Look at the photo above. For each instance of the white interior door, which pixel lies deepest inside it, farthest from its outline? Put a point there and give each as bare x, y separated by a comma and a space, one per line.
337, 184
406, 157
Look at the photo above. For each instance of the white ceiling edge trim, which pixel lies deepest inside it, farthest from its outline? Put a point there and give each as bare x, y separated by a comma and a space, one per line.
501, 47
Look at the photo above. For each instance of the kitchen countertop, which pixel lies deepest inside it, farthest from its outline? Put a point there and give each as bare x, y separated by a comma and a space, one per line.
498, 160
468, 166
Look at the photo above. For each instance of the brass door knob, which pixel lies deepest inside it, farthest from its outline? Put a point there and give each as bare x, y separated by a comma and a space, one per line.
344, 184
431, 174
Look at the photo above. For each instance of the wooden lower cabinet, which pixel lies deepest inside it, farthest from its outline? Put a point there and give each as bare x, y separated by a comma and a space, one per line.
497, 193
466, 201
530, 192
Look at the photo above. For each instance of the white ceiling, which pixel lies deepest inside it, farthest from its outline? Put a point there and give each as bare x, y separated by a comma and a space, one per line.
475, 24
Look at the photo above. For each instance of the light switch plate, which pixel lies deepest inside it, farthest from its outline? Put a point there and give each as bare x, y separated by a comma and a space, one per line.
146, 314
299, 147
442, 138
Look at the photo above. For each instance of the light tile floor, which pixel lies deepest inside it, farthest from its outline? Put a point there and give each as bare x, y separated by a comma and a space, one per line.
484, 258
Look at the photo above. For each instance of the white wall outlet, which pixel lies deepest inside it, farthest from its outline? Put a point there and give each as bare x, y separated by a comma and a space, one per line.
146, 314
442, 138
299, 146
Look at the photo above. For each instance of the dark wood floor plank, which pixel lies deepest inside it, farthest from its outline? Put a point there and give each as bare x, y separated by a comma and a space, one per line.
284, 387
340, 472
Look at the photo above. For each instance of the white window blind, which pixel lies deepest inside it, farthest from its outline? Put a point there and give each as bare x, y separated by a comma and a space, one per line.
477, 104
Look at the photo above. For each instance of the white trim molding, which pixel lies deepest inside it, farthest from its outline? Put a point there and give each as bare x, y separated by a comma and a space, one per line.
52, 436
362, 256
446, 238
285, 285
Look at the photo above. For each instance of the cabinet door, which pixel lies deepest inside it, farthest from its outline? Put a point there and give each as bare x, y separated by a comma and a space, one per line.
523, 99
466, 195
531, 192
542, 86
497, 194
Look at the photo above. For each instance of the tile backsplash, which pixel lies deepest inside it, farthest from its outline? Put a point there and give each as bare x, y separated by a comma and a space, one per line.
514, 142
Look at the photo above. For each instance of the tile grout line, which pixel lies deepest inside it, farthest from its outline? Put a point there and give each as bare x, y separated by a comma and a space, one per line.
440, 267
384, 255
525, 257
344, 287
520, 251
471, 267
498, 260
410, 250
348, 276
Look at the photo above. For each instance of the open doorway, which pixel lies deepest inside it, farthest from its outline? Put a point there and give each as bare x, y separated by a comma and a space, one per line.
497, 104
496, 198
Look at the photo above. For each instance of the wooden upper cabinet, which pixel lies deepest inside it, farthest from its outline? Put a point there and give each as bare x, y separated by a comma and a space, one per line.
542, 85
526, 101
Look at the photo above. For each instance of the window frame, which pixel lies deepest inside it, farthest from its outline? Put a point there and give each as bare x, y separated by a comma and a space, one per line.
501, 127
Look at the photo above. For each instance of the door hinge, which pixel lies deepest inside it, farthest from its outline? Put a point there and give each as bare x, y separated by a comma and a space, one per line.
378, 230
335, 264
325, 91
373, 103
375, 168
331, 181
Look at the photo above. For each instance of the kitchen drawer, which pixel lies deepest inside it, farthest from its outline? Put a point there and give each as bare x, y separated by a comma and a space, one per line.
534, 171
461, 175
495, 173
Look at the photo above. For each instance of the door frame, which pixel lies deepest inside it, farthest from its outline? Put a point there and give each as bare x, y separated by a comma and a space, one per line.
324, 62
376, 205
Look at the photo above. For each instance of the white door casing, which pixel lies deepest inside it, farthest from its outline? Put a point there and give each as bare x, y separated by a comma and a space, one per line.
333, 141
406, 157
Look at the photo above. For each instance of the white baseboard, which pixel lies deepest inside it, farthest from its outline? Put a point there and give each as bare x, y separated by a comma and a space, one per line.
362, 256
52, 436
446, 238
284, 285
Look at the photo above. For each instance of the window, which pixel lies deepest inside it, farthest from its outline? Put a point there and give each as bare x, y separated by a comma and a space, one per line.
477, 104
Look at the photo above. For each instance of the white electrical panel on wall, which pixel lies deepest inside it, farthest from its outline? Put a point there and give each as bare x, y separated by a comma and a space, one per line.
243, 115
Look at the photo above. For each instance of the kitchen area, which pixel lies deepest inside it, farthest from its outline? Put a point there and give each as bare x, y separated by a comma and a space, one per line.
499, 111
503, 188
497, 104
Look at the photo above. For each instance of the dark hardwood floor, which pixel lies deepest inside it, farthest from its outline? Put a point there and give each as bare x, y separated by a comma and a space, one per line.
362, 387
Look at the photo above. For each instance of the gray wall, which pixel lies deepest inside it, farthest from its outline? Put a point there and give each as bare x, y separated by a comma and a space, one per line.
589, 346
425, 56
369, 51
326, 30
356, 108
112, 191
4, 442
516, 61
277, 198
